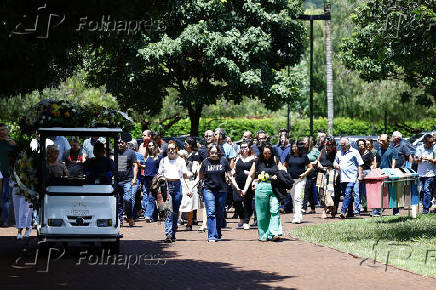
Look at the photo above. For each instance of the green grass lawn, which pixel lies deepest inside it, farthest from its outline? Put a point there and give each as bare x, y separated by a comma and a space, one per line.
400, 241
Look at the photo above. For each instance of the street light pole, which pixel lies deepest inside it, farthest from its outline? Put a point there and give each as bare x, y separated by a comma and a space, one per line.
311, 18
311, 78
289, 108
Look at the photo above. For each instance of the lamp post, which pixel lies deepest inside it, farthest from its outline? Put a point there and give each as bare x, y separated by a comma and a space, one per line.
311, 18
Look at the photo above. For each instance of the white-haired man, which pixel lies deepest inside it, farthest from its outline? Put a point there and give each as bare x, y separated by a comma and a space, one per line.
349, 162
403, 150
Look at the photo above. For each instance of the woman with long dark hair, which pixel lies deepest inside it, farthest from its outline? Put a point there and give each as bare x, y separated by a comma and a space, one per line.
243, 203
213, 171
190, 200
298, 166
149, 171
309, 190
328, 179
264, 169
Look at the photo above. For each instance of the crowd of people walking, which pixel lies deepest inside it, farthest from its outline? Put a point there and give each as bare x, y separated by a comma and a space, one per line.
258, 179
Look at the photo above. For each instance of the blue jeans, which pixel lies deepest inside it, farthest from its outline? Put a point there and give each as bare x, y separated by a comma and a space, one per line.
175, 193
5, 200
350, 189
427, 192
148, 200
214, 202
125, 194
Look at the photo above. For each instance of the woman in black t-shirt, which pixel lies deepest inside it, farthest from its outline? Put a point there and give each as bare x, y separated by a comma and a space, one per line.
213, 171
298, 166
241, 169
267, 204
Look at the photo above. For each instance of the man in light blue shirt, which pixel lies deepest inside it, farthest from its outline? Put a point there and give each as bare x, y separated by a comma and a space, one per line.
349, 162
88, 145
221, 138
426, 158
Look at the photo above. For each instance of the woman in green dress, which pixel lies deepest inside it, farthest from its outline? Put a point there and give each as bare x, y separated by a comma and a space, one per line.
263, 171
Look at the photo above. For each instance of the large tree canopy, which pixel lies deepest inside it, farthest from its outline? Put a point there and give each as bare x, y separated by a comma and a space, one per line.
210, 49
395, 39
40, 39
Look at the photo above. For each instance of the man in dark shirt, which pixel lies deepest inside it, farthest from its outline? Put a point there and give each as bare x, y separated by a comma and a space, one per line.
127, 174
7, 148
403, 150
261, 138
209, 139
99, 169
387, 157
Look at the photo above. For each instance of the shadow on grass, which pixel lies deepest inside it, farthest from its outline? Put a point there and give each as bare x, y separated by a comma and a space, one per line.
392, 220
160, 268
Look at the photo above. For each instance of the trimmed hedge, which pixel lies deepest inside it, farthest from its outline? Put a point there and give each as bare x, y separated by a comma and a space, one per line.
342, 126
236, 127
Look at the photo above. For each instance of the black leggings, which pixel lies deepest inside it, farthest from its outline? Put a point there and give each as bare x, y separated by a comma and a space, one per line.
243, 205
308, 193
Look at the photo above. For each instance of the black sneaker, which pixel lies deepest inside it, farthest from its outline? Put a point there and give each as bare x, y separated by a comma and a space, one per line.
168, 239
173, 239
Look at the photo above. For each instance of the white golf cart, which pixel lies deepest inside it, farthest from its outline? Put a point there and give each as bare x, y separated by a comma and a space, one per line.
72, 209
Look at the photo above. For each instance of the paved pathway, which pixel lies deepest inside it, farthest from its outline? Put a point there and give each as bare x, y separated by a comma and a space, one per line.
239, 261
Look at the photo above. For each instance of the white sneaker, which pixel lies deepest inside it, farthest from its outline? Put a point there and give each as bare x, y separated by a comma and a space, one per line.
27, 233
19, 236
296, 221
246, 226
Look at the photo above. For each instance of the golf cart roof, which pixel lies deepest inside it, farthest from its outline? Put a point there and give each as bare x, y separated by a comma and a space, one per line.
80, 131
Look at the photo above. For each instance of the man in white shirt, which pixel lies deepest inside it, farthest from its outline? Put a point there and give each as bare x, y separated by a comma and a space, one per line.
349, 162
173, 168
34, 144
425, 156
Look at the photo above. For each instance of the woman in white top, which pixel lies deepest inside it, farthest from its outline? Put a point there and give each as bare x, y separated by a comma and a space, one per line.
173, 168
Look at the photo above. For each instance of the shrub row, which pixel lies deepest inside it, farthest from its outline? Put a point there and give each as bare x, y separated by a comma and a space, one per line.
342, 126
236, 127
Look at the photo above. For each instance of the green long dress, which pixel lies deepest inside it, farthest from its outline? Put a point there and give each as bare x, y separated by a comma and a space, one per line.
267, 212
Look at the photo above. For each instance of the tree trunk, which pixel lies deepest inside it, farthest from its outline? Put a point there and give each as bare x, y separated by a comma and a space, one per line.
194, 116
329, 68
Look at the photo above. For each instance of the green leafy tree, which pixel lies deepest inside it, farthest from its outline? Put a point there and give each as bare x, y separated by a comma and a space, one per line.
395, 39
40, 39
73, 89
210, 50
